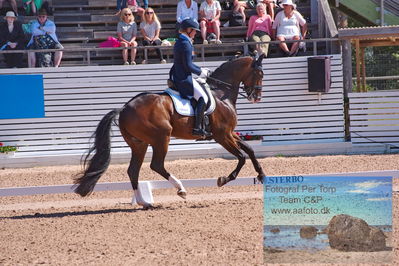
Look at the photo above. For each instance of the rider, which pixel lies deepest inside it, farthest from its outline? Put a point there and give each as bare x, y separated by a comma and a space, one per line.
183, 68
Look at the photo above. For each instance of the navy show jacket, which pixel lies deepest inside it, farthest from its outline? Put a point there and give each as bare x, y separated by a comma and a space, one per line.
183, 66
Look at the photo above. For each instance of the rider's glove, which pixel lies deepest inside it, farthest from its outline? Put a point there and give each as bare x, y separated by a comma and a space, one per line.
205, 72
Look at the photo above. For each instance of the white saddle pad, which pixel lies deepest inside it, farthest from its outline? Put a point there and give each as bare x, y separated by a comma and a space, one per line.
184, 107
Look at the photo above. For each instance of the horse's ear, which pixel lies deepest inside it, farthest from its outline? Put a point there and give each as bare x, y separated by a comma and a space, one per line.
260, 59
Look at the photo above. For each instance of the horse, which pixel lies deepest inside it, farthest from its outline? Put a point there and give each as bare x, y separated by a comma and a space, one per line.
150, 119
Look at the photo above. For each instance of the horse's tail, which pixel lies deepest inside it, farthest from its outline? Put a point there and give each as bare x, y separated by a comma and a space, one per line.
98, 164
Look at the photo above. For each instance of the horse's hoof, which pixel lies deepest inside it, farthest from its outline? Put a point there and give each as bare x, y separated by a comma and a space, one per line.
145, 205
148, 207
182, 193
260, 178
221, 181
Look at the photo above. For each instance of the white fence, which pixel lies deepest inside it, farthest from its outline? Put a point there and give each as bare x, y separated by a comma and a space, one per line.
374, 118
76, 98
147, 186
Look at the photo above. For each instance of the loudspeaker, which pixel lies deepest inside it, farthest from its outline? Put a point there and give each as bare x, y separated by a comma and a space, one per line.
319, 73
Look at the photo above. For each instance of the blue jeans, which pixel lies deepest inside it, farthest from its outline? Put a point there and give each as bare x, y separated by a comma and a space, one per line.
145, 2
121, 4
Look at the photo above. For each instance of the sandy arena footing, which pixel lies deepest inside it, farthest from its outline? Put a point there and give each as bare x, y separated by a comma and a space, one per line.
213, 226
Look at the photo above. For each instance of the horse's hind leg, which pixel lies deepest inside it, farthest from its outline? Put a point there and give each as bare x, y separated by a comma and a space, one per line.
229, 143
248, 150
158, 165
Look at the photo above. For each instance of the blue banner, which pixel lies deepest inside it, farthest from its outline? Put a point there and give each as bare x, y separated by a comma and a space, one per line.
22, 96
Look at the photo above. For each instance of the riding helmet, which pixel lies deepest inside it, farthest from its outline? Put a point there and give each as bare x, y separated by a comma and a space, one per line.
189, 23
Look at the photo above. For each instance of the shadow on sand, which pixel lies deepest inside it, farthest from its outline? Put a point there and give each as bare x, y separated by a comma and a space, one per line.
85, 212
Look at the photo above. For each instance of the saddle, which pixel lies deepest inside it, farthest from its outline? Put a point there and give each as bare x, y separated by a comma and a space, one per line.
185, 106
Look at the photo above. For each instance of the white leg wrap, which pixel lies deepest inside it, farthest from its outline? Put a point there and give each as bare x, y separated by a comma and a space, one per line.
139, 198
176, 183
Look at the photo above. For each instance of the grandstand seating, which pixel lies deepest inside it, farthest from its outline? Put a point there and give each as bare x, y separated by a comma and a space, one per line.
86, 23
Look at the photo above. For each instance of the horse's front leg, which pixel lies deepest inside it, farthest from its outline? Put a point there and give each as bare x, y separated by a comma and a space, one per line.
231, 146
160, 149
248, 150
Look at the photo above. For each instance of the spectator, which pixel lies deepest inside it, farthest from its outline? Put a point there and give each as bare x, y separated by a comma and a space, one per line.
270, 6
127, 33
210, 14
31, 6
44, 37
120, 4
260, 29
289, 25
186, 9
132, 5
150, 28
237, 16
145, 2
12, 37
13, 4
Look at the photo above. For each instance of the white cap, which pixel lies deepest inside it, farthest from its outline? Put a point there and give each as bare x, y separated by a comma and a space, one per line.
10, 14
287, 2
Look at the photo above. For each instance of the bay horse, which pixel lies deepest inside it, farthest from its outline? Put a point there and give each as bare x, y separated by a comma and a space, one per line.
150, 119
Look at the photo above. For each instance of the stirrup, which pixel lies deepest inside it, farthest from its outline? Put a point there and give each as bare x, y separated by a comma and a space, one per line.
201, 132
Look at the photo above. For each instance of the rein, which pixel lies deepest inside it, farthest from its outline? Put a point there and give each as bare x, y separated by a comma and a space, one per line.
221, 82
255, 88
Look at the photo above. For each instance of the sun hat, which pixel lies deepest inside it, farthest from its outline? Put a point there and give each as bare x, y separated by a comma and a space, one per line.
287, 2
10, 14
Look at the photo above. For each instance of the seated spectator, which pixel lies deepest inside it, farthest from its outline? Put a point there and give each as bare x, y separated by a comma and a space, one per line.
127, 33
270, 6
289, 25
237, 16
12, 37
150, 28
145, 2
120, 4
186, 9
13, 4
44, 37
209, 22
132, 5
260, 29
31, 6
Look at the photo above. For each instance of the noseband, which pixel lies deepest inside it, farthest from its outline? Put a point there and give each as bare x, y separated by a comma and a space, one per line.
254, 89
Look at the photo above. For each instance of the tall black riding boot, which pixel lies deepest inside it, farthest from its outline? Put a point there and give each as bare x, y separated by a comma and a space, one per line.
199, 117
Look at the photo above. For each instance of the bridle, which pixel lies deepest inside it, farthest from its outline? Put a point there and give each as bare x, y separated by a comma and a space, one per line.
249, 90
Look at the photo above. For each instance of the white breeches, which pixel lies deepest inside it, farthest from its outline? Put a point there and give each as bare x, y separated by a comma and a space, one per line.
199, 91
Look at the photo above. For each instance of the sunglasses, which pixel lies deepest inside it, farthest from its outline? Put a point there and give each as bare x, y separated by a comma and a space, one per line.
148, 13
128, 14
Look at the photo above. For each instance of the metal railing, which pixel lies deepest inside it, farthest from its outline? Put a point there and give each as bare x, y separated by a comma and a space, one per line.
203, 48
378, 83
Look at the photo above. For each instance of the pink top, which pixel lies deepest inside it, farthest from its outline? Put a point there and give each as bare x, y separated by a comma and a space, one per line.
259, 23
